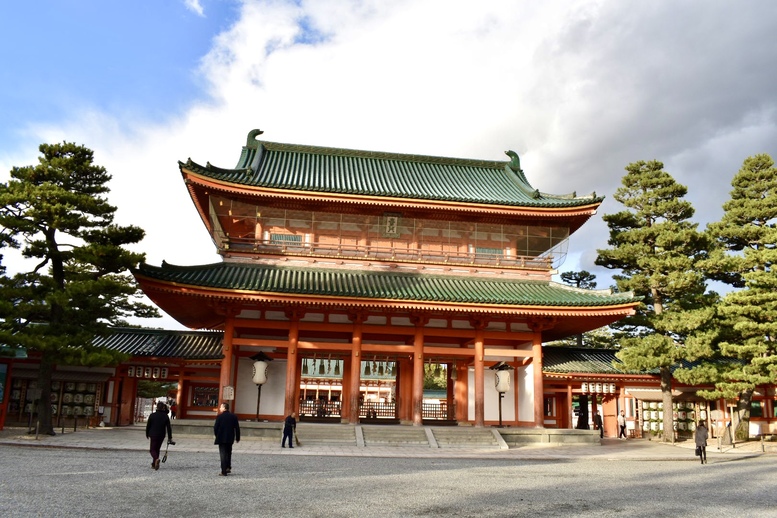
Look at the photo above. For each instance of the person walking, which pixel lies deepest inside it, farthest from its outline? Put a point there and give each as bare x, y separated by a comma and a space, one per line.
289, 425
227, 431
622, 425
598, 424
157, 426
173, 410
700, 438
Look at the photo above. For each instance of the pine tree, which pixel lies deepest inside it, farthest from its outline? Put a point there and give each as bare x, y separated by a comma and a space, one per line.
747, 239
78, 283
656, 247
584, 280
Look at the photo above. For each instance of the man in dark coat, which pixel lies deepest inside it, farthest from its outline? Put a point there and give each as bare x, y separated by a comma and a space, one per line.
289, 425
598, 424
157, 425
227, 431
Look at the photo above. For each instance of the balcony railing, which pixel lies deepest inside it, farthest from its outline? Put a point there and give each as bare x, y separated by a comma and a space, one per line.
382, 253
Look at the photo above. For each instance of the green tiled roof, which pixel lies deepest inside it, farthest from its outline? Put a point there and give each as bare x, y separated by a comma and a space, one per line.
200, 345
369, 173
381, 285
568, 360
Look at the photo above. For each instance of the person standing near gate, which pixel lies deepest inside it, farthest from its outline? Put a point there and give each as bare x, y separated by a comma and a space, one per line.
289, 425
158, 423
622, 425
700, 437
227, 431
598, 424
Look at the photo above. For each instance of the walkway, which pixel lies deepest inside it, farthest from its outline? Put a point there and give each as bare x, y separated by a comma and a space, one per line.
133, 438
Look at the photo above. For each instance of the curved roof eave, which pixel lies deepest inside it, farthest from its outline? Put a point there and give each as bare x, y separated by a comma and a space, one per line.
290, 168
193, 178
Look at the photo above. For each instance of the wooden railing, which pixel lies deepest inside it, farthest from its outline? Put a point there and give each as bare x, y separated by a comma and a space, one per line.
369, 252
435, 410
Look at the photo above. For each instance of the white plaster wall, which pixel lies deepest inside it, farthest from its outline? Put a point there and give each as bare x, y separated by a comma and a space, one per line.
525, 383
491, 398
273, 392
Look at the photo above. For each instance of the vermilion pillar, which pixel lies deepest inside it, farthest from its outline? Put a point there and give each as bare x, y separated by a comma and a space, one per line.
292, 385
418, 373
225, 377
539, 418
356, 371
479, 377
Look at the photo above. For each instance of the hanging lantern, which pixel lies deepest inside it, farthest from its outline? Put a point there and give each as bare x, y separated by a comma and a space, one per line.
394, 369
584, 388
502, 381
380, 369
337, 367
260, 372
367, 371
598, 388
437, 371
612, 388
321, 371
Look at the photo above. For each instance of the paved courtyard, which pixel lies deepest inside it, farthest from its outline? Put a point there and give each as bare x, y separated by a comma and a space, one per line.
101, 473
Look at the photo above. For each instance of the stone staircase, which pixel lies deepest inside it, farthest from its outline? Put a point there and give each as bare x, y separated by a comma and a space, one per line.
369, 435
322, 434
465, 437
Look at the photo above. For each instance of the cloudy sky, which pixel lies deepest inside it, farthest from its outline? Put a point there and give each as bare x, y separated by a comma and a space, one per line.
578, 88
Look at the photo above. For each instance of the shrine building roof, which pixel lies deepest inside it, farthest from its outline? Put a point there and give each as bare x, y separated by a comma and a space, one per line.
160, 343
312, 169
370, 284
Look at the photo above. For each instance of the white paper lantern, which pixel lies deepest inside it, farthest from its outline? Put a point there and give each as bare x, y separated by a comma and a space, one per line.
598, 388
502, 381
585, 387
646, 415
260, 372
612, 388
646, 425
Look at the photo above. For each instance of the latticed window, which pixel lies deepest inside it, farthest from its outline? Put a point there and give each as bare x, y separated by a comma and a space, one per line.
285, 239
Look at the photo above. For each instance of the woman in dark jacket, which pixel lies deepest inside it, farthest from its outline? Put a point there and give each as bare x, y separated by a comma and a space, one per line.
157, 425
701, 441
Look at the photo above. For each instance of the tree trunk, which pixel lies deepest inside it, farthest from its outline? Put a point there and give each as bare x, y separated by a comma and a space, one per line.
582, 413
740, 420
666, 398
46, 425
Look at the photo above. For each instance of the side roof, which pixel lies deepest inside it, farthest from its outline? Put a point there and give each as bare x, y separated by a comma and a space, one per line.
160, 343
291, 167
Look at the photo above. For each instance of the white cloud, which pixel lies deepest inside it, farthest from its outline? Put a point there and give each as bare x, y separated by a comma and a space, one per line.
194, 6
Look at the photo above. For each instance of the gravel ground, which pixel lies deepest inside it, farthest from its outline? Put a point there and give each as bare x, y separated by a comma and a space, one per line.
93, 483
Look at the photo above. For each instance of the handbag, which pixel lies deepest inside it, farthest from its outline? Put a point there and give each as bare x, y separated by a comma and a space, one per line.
698, 451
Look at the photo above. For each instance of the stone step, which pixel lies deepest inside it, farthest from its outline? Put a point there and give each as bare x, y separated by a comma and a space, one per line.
326, 434
394, 436
464, 437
